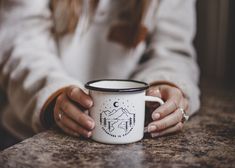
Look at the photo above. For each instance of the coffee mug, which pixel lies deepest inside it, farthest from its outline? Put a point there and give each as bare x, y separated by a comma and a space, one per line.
118, 110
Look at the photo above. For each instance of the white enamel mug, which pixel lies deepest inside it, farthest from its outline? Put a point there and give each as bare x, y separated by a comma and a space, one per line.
118, 110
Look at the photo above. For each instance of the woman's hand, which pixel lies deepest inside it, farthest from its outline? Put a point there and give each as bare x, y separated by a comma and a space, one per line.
168, 117
70, 112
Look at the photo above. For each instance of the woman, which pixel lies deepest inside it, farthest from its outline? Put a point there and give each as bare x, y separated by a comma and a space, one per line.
49, 49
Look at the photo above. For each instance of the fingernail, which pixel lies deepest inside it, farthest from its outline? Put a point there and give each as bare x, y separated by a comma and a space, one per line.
89, 103
156, 116
89, 134
91, 124
156, 134
151, 128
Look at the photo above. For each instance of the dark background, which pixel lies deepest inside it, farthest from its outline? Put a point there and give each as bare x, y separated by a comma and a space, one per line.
215, 41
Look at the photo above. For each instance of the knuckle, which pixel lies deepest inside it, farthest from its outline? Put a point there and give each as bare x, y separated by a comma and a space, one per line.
79, 95
173, 103
72, 91
179, 116
76, 93
163, 113
163, 110
64, 105
78, 118
162, 126
60, 99
69, 89
180, 126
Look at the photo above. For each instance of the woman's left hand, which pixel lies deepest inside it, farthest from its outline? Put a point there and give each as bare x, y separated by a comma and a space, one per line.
168, 118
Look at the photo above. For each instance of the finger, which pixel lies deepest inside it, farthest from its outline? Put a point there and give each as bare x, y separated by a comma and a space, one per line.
65, 129
79, 96
173, 97
59, 101
76, 114
168, 107
154, 91
166, 122
69, 125
169, 91
57, 118
185, 104
176, 128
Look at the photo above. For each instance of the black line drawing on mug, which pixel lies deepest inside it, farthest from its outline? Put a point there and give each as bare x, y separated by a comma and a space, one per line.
117, 121
115, 104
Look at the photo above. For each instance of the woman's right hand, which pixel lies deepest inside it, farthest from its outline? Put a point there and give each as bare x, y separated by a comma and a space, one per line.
71, 114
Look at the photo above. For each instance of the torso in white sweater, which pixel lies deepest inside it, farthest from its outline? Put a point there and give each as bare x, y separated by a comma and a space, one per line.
32, 66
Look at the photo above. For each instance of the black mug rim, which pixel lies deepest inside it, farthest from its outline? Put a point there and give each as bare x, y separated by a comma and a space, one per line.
131, 89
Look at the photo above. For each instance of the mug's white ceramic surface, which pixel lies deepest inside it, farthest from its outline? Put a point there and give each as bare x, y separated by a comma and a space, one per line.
119, 110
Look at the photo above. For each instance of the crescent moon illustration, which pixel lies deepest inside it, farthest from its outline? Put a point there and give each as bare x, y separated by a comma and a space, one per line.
115, 104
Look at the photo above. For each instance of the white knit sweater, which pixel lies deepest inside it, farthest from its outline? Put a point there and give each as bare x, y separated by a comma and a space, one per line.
33, 67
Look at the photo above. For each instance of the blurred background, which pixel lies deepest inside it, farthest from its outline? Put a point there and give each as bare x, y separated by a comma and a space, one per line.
215, 41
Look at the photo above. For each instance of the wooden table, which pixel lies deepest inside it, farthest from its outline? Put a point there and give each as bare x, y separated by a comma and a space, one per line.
208, 140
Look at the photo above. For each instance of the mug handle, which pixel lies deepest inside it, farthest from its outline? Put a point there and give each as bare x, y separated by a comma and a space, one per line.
152, 99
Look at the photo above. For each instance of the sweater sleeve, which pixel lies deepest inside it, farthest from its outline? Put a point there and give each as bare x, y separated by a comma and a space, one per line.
171, 55
30, 69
